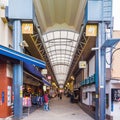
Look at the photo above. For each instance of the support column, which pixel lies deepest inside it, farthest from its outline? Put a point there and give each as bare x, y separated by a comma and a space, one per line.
102, 71
18, 71
97, 83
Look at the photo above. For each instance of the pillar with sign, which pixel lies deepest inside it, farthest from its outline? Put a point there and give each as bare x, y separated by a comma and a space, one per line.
17, 16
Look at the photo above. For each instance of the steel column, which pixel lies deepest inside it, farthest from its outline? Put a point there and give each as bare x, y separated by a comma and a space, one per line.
18, 71
96, 83
102, 71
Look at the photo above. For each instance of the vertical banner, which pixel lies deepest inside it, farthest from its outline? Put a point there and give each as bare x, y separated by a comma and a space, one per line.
21, 91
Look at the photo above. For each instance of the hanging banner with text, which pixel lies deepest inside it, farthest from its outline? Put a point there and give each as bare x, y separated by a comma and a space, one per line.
27, 28
91, 30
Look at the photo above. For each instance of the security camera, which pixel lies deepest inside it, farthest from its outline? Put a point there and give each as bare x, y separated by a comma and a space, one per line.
38, 26
24, 44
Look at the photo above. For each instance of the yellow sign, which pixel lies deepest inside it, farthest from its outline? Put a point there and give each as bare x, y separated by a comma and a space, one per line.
91, 30
27, 28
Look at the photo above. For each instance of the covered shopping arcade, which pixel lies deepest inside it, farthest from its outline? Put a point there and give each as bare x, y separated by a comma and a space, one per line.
68, 39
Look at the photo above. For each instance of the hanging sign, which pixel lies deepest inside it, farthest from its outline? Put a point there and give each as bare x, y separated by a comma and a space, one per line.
49, 77
44, 71
91, 30
27, 28
82, 64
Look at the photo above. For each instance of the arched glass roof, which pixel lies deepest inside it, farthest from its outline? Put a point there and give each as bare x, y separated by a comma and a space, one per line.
60, 46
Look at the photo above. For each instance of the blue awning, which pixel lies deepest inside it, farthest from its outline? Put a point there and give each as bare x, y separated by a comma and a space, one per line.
32, 70
110, 42
21, 57
46, 82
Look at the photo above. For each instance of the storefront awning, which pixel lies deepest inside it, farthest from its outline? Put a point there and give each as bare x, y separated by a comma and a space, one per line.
21, 57
32, 70
46, 82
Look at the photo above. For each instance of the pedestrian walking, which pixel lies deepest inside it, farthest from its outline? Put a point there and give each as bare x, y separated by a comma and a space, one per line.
46, 102
60, 95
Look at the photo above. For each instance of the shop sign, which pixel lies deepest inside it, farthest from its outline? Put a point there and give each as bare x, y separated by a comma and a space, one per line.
82, 64
91, 30
49, 77
44, 88
44, 71
21, 91
27, 28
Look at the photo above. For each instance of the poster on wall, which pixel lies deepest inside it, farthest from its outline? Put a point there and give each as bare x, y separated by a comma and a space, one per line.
9, 96
115, 95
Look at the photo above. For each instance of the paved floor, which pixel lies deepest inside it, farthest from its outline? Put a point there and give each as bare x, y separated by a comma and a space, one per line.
59, 110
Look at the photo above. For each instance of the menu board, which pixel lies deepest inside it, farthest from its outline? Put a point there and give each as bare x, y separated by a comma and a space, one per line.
115, 95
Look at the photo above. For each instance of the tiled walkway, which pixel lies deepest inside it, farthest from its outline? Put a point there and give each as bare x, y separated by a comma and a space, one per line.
59, 110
